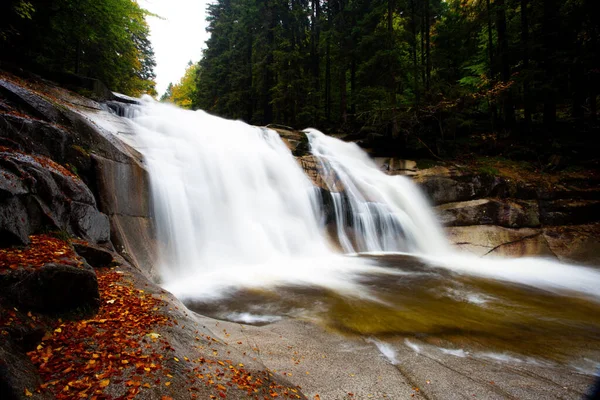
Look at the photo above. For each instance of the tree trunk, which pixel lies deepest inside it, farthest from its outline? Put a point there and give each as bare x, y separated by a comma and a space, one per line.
428, 44
249, 100
525, 45
550, 36
328, 79
578, 90
268, 82
509, 112
392, 73
423, 68
492, 104
353, 86
77, 56
413, 28
343, 96
594, 67
314, 50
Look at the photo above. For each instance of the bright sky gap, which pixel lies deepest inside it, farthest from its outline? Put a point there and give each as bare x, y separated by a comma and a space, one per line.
177, 37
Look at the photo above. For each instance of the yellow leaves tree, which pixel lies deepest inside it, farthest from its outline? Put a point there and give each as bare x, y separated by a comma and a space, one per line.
183, 92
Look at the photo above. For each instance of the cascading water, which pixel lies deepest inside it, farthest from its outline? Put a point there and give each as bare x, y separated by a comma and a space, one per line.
235, 210
243, 239
232, 206
226, 192
386, 213
384, 209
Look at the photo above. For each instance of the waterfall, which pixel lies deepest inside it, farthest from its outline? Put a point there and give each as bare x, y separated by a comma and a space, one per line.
234, 210
378, 212
226, 192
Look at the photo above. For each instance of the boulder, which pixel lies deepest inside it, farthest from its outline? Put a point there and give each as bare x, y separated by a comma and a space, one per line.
53, 288
506, 213
17, 374
88, 223
95, 256
38, 195
443, 185
396, 166
569, 211
575, 243
124, 195
495, 240
324, 179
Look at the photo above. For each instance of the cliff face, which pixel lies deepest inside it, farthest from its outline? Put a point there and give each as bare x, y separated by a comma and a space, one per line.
110, 189
80, 315
511, 212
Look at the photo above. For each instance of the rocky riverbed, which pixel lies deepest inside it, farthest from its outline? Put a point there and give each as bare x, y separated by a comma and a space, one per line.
81, 314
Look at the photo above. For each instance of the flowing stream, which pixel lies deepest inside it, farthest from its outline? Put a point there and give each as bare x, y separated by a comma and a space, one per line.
242, 238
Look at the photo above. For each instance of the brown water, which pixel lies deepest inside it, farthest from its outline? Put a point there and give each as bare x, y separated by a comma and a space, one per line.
438, 307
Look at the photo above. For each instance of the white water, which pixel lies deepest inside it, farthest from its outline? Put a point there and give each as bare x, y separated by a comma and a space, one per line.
234, 210
387, 208
383, 209
225, 192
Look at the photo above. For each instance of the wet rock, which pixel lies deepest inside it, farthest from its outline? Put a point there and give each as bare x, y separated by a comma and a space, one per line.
38, 195
124, 195
575, 243
569, 211
14, 222
53, 288
495, 240
135, 240
88, 223
31, 103
25, 337
124, 187
443, 185
17, 374
94, 255
506, 213
396, 166
324, 179
34, 136
43, 124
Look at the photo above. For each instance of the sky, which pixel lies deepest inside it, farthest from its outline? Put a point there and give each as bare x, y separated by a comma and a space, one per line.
177, 38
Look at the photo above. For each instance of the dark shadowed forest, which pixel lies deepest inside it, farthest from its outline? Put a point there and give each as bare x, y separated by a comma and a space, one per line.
429, 78
102, 39
418, 75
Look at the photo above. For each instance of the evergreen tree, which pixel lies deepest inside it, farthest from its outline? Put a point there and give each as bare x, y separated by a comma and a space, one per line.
414, 71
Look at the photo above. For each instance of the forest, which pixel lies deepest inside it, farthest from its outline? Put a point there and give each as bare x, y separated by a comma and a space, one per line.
516, 78
102, 39
411, 74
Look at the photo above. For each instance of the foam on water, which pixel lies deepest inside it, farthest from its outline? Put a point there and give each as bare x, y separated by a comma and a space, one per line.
385, 349
389, 214
234, 210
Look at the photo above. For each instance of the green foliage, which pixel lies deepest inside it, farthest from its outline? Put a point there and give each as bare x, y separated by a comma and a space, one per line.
62, 235
488, 170
104, 39
184, 92
416, 73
